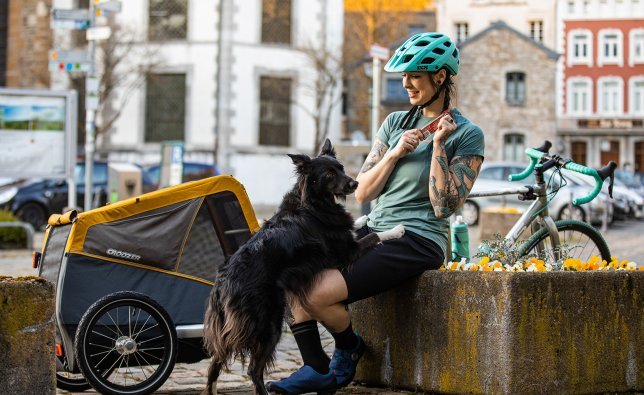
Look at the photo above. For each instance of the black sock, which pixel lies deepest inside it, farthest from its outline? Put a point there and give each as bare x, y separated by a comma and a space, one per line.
345, 340
308, 341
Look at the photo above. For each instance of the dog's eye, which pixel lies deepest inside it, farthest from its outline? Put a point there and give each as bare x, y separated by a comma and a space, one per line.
329, 174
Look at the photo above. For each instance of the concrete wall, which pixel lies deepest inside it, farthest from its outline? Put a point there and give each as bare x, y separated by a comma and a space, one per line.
27, 334
506, 333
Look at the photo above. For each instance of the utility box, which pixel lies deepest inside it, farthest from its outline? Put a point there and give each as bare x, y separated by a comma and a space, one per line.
123, 181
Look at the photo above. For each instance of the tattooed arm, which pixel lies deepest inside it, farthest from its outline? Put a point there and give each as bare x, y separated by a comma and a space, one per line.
380, 163
450, 183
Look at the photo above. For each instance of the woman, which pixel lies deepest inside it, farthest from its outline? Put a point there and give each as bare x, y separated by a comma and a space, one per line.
419, 183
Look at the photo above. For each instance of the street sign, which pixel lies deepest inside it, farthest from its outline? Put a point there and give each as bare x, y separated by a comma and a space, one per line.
99, 33
75, 19
379, 52
69, 60
109, 5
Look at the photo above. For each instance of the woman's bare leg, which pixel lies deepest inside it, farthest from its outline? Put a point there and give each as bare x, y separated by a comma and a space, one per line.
325, 302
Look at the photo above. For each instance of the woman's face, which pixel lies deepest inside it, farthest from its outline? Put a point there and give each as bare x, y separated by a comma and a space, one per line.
418, 86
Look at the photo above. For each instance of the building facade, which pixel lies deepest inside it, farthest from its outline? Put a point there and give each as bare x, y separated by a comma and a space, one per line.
600, 94
506, 85
231, 79
461, 19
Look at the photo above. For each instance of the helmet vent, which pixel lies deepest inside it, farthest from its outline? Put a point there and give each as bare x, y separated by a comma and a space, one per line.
428, 60
436, 35
422, 43
407, 58
438, 51
455, 53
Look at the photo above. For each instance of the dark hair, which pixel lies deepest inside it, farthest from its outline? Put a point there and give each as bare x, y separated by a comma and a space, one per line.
448, 86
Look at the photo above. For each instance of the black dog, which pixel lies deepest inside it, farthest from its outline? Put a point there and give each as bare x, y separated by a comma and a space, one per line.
309, 233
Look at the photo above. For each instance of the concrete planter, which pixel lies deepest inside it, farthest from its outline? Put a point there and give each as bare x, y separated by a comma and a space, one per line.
506, 333
27, 336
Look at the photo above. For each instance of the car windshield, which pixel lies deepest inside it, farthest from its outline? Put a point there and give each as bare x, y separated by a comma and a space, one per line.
99, 173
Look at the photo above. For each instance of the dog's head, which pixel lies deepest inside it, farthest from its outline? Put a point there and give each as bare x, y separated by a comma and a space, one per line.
322, 177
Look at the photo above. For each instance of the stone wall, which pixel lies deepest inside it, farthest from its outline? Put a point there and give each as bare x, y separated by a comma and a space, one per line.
481, 89
29, 39
27, 336
506, 333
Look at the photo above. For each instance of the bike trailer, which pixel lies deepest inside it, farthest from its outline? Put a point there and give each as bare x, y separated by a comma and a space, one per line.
138, 273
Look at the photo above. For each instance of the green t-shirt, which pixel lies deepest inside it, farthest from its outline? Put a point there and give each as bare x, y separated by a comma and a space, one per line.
405, 196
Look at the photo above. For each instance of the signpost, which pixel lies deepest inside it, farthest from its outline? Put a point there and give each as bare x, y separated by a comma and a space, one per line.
83, 61
378, 54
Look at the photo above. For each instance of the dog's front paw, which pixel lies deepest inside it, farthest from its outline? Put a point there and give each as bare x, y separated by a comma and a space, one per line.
360, 222
394, 233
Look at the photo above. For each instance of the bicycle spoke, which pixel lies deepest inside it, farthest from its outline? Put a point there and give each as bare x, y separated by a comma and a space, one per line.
154, 338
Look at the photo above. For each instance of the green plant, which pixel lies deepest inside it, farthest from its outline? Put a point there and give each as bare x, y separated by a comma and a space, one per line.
12, 237
498, 249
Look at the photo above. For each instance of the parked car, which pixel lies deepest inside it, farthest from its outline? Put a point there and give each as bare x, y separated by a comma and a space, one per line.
632, 181
634, 201
192, 171
34, 200
494, 176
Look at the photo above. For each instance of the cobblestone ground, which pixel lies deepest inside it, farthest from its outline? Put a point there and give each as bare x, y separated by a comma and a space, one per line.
623, 237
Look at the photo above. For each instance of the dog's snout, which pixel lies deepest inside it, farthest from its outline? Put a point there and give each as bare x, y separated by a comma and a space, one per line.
353, 184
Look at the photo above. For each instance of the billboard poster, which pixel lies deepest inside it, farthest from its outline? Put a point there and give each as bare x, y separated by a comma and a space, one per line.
37, 128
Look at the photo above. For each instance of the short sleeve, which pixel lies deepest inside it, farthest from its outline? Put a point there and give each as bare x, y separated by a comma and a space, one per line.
471, 142
386, 129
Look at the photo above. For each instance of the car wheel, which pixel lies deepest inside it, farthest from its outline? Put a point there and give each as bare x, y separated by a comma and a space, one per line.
34, 214
470, 212
577, 213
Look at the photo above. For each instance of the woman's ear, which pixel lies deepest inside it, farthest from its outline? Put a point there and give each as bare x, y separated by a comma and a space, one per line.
440, 76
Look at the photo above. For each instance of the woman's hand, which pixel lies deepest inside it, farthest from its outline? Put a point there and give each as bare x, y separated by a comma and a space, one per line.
446, 126
407, 143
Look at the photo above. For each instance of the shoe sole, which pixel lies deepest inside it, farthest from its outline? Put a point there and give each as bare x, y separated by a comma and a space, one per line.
324, 392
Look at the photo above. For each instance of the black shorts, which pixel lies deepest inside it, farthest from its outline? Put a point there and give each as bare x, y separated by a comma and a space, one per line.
390, 264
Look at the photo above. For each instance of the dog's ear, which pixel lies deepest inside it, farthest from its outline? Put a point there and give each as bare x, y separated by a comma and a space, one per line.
327, 149
302, 162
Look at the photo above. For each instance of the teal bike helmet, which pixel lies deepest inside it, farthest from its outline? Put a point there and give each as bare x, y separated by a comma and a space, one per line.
425, 52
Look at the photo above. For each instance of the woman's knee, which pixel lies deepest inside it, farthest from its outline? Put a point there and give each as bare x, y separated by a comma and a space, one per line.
330, 290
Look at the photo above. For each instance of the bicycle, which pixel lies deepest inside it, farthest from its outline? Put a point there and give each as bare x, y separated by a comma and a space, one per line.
550, 239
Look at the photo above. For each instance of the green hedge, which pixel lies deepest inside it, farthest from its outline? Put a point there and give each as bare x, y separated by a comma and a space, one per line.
11, 237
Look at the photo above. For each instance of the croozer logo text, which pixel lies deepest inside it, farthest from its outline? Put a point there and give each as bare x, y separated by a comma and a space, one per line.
123, 254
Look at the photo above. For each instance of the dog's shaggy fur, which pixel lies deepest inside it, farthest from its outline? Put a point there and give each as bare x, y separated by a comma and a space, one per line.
309, 233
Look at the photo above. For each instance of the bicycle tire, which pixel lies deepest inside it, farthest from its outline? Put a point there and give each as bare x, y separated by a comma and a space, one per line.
593, 241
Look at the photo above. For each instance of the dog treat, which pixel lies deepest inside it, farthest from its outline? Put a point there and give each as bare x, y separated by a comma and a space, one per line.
433, 125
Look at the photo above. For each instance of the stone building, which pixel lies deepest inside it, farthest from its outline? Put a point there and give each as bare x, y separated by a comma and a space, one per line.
25, 40
506, 85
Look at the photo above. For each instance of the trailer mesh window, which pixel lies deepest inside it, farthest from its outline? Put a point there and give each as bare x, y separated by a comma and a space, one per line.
202, 252
53, 253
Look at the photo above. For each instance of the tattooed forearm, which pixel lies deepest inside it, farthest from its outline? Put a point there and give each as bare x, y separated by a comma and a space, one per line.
377, 152
450, 184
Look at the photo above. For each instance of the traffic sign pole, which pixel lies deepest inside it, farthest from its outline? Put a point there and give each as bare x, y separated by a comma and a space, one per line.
90, 124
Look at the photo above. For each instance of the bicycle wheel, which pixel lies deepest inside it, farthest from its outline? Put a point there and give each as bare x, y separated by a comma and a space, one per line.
578, 240
73, 382
130, 336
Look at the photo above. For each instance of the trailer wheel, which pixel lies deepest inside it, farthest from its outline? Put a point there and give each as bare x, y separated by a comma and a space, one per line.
131, 336
72, 382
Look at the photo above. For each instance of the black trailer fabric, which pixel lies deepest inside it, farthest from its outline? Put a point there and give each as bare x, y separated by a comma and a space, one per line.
202, 252
53, 253
88, 279
153, 238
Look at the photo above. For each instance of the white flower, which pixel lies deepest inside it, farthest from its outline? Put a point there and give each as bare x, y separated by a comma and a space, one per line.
631, 266
532, 268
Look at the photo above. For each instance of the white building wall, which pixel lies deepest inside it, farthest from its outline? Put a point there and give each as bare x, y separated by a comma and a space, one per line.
267, 172
479, 14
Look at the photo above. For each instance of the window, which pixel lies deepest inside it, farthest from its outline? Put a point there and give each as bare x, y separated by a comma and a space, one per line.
609, 95
461, 32
536, 31
513, 147
492, 173
578, 152
579, 94
571, 7
415, 29
168, 20
394, 91
610, 47
276, 21
636, 50
165, 107
636, 99
580, 49
275, 111
515, 88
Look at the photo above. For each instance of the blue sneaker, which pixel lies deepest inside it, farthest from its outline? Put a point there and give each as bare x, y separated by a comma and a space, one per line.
344, 362
306, 379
